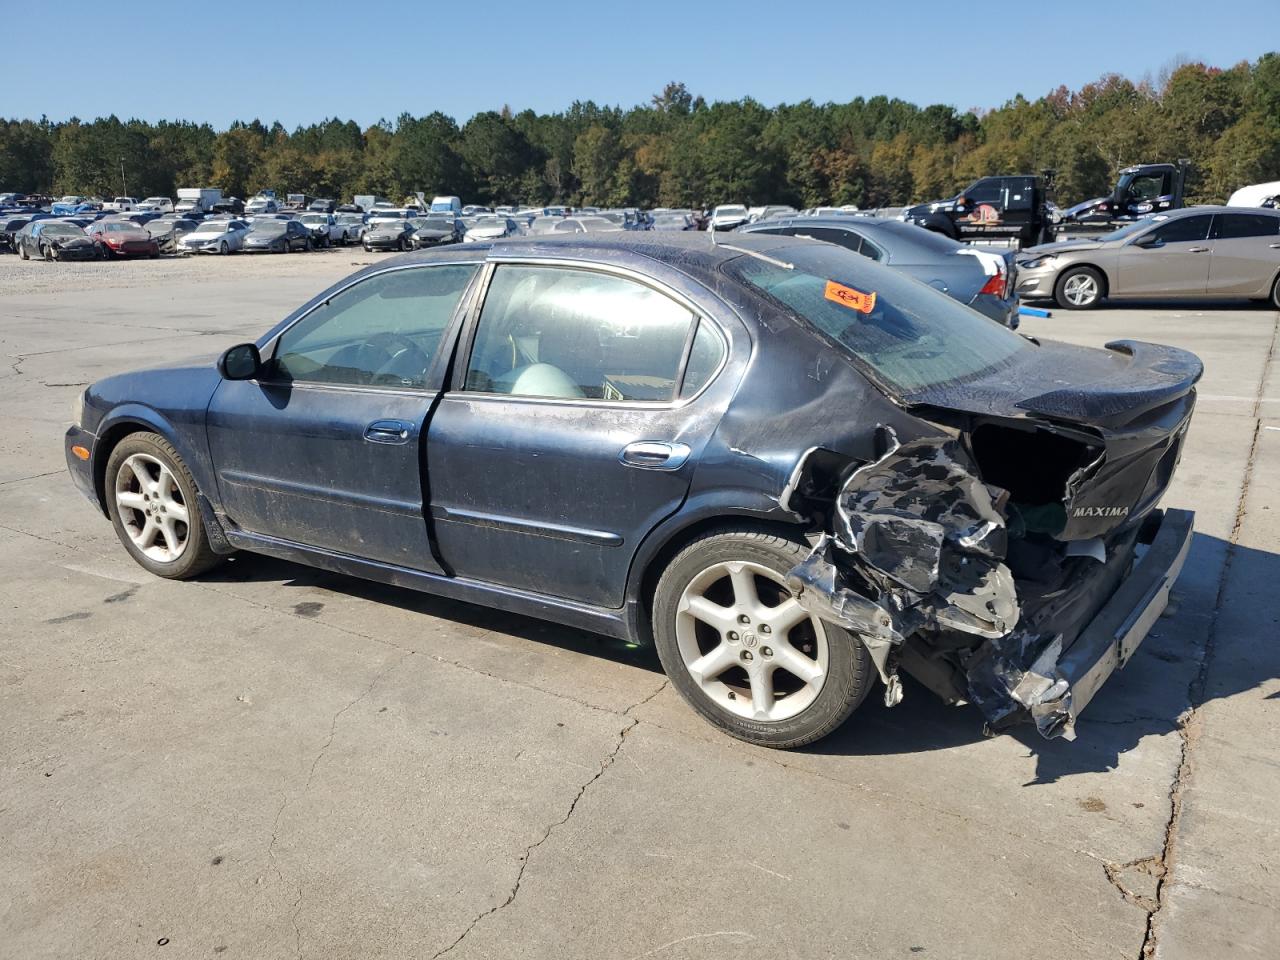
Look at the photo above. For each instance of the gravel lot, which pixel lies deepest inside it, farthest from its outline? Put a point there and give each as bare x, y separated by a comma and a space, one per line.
278, 762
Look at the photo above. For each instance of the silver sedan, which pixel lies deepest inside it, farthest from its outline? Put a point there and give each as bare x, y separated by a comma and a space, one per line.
1198, 252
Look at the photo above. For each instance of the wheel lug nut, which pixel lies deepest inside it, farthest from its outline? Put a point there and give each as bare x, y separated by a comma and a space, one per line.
765, 628
747, 656
733, 636
743, 618
766, 652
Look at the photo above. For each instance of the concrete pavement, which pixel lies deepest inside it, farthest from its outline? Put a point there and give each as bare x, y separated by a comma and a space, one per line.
278, 762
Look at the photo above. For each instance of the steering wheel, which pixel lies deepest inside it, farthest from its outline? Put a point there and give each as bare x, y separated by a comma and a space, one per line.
402, 354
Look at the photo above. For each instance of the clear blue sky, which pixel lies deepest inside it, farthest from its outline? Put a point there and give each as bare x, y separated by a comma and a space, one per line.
372, 59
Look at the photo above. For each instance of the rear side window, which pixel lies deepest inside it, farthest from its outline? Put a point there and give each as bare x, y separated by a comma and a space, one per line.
1182, 230
1233, 226
574, 334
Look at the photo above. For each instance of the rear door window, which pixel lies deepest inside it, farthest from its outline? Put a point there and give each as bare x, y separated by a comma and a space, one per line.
1234, 226
567, 333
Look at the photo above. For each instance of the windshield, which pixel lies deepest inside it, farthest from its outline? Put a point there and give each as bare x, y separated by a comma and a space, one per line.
213, 226
314, 218
118, 227
438, 223
270, 227
60, 230
1129, 229
731, 211
910, 335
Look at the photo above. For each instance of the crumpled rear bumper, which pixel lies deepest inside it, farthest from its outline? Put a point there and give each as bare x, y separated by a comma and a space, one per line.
1058, 692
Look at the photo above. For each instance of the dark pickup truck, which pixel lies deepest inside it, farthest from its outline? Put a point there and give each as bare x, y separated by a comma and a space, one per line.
1006, 208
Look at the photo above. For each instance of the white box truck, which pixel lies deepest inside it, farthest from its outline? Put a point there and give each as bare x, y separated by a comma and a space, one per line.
197, 200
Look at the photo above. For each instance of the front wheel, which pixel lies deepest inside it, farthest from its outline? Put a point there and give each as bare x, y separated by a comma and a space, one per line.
153, 503
223, 248
1079, 288
22, 252
1275, 294
740, 649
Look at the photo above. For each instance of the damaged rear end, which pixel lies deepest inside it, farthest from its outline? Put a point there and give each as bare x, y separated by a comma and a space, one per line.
1012, 555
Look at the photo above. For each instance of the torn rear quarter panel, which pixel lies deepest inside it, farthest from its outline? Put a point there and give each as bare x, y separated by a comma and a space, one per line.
992, 553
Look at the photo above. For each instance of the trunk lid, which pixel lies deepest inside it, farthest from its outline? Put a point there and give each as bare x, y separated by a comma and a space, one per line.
1084, 440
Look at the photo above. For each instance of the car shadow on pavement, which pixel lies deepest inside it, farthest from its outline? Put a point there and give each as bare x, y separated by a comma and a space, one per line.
1155, 305
1147, 698
249, 568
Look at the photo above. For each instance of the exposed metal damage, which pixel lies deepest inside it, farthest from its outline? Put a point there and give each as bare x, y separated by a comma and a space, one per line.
971, 592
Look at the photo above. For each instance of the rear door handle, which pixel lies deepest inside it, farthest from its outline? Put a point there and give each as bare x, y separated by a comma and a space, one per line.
1274, 246
1197, 250
655, 455
387, 431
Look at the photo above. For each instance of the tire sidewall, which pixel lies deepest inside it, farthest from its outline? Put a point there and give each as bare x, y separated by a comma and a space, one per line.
195, 558
849, 673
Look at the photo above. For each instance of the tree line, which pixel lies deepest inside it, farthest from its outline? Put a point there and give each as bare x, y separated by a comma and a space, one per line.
680, 151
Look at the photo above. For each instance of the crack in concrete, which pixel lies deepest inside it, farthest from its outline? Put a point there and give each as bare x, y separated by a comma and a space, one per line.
1191, 723
34, 476
296, 909
604, 765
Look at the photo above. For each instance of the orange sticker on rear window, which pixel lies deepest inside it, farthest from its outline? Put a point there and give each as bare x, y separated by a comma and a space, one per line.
851, 298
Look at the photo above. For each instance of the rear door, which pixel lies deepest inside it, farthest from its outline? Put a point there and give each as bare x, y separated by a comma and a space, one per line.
573, 427
1170, 260
1246, 254
325, 449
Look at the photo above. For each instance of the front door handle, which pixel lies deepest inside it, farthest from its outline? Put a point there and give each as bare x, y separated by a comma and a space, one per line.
1197, 250
1274, 246
655, 455
387, 431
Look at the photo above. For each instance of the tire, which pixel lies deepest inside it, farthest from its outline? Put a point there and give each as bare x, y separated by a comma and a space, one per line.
223, 248
189, 552
309, 245
21, 251
368, 249
48, 253
1274, 299
1079, 288
405, 245
708, 571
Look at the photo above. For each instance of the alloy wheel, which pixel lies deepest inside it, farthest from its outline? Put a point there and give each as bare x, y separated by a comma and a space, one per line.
1080, 290
151, 508
748, 644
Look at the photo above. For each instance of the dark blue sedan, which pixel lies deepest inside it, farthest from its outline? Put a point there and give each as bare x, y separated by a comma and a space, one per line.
792, 469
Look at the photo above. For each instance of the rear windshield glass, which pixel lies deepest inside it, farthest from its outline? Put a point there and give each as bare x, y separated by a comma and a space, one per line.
910, 335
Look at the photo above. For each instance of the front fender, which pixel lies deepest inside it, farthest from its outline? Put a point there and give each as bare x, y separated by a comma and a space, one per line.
187, 438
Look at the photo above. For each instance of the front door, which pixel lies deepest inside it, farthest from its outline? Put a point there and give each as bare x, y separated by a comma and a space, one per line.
576, 421
1171, 260
325, 449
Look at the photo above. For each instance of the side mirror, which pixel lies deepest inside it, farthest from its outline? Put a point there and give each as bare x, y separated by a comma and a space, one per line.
241, 362
1148, 242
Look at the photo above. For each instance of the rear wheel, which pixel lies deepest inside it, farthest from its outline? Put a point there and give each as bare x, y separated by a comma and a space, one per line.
154, 507
742, 651
1079, 288
1275, 294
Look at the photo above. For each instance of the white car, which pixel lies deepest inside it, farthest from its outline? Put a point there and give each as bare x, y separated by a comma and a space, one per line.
215, 236
383, 214
1256, 195
262, 205
121, 204
727, 216
324, 227
352, 225
156, 205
